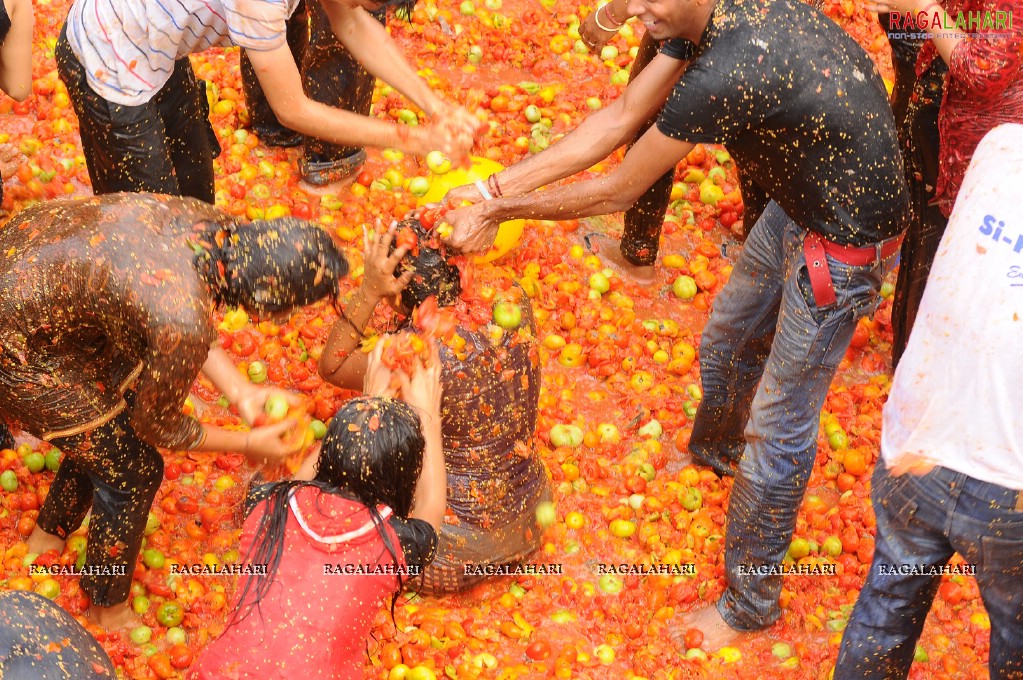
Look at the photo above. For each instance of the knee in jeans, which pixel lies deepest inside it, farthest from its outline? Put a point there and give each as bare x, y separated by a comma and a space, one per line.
148, 474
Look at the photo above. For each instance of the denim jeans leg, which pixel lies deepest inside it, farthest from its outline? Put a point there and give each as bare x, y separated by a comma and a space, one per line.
880, 638
987, 530
781, 434
736, 342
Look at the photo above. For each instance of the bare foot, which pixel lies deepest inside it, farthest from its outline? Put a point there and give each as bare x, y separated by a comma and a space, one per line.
39, 542
116, 617
610, 253
716, 633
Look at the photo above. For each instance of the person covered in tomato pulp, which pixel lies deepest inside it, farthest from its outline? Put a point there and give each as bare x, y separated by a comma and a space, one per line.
41, 641
491, 378
106, 319
950, 476
357, 524
804, 112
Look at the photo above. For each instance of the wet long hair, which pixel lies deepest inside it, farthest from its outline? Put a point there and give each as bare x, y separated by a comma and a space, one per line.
434, 275
271, 266
373, 454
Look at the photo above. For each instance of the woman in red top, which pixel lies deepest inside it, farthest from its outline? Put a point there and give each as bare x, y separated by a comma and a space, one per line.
983, 89
337, 544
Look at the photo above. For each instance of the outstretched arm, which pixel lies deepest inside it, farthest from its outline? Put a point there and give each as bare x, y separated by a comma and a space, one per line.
653, 155
597, 136
340, 363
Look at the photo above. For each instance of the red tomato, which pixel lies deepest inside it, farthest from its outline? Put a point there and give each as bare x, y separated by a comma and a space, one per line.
180, 656
429, 217
539, 650
171, 471
406, 238
693, 638
160, 664
186, 505
243, 344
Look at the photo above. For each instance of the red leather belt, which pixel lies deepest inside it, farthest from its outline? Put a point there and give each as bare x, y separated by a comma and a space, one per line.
816, 249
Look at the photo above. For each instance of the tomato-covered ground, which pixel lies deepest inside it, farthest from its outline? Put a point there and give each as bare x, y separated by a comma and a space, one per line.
613, 362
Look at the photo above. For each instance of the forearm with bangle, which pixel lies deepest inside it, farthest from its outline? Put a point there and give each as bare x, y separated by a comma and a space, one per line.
615, 23
350, 329
219, 439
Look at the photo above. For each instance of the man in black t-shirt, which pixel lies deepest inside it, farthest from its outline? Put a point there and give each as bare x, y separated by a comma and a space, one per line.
803, 111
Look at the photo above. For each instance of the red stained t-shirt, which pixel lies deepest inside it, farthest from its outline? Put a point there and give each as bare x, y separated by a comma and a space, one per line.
984, 86
313, 623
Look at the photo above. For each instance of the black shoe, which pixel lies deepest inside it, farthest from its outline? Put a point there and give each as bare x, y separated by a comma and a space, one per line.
320, 171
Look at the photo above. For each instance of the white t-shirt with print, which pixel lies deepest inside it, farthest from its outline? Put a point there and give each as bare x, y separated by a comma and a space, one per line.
128, 47
957, 396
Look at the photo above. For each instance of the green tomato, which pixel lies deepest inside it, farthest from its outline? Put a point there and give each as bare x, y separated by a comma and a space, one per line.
838, 440
684, 287
49, 589
170, 614
546, 514
652, 429
507, 315
141, 635
832, 546
152, 524
153, 558
599, 282
438, 163
418, 186
9, 481
566, 435
690, 498
318, 428
276, 407
140, 604
408, 116
710, 193
799, 548
35, 462
176, 635
611, 584
620, 77
781, 650
257, 372
695, 176
52, 460
532, 113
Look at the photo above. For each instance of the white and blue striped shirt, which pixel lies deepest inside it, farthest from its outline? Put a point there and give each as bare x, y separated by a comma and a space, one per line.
128, 47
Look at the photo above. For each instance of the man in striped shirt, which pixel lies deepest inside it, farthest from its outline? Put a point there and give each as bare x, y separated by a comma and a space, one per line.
143, 115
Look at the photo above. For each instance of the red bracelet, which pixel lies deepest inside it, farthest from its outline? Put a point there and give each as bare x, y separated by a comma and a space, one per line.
495, 188
611, 17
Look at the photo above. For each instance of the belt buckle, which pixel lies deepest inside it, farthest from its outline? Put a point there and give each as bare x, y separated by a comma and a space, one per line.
1019, 501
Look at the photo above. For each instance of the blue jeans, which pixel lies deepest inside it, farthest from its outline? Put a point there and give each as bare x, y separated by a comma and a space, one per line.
767, 357
922, 521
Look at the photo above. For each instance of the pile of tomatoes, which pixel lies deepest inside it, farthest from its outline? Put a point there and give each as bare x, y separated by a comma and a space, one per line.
620, 386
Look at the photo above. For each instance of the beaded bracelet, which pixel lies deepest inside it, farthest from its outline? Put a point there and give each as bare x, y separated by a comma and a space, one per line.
596, 18
495, 187
611, 17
